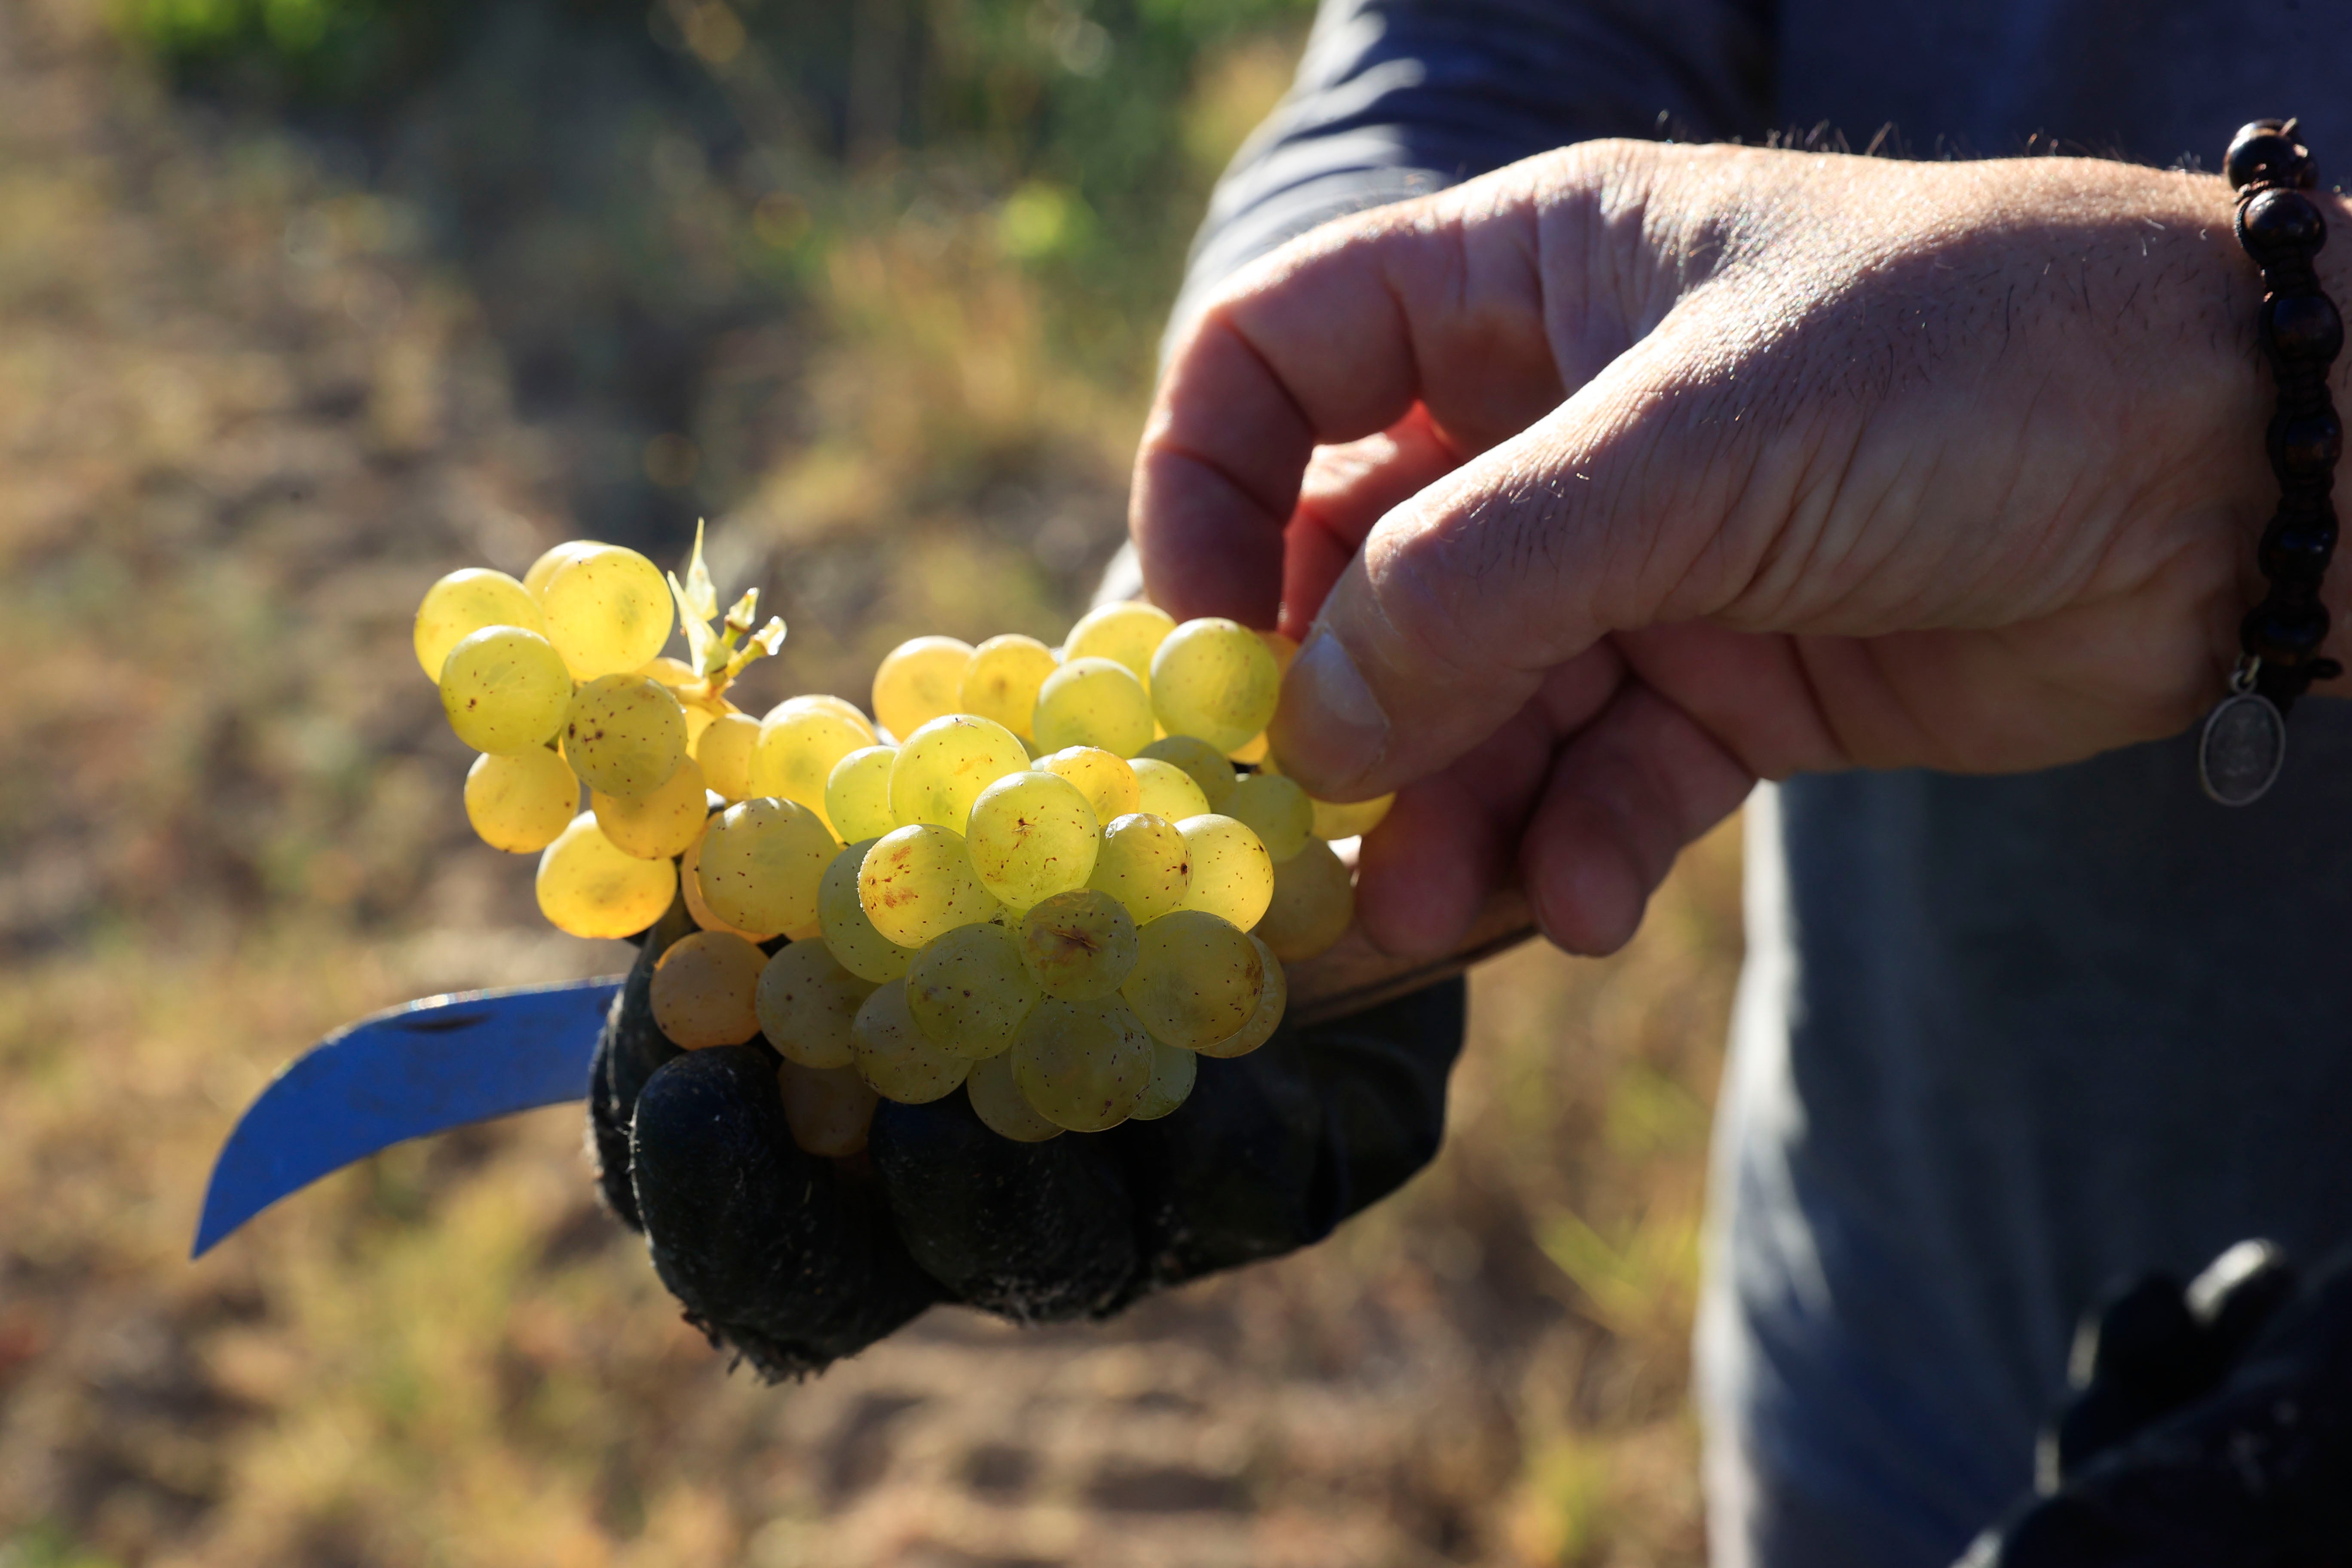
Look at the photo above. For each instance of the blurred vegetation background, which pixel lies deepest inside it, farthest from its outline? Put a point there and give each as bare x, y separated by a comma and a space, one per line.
304, 302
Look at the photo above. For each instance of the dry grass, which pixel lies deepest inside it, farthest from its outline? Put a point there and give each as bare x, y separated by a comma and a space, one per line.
246, 414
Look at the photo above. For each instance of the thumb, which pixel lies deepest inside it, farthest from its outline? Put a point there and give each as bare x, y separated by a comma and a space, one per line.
1615, 512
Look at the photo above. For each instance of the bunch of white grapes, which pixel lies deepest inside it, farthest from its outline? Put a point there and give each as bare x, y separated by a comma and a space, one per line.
1035, 873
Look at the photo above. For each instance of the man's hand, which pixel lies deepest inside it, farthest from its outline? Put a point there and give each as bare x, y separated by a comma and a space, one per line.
1604, 485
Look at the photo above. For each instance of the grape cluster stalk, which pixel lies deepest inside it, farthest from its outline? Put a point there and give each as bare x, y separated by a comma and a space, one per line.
1051, 879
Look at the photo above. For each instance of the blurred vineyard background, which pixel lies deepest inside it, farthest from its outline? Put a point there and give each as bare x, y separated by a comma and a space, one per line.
304, 302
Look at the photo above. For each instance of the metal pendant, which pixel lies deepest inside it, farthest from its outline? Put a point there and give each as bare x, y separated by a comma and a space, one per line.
2243, 746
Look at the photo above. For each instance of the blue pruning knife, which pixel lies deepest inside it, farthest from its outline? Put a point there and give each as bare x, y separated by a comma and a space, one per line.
416, 1070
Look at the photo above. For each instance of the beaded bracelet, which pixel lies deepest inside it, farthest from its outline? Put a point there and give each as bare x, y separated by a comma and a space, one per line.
2244, 741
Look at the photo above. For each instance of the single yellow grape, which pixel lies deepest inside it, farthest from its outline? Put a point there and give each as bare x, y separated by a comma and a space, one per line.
1079, 946
1265, 1017
703, 988
1173, 1069
588, 887
697, 719
624, 734
1232, 876
919, 681
1093, 702
1001, 679
1196, 980
608, 612
1206, 766
504, 689
917, 884
797, 750
969, 991
1254, 751
689, 887
724, 750
1033, 834
943, 766
857, 794
849, 933
1217, 679
658, 825
1145, 864
896, 1057
1276, 810
1128, 633
462, 603
1085, 1066
806, 1001
519, 804
1284, 647
824, 702
1167, 790
827, 1110
1103, 777
1000, 1105
546, 566
1314, 902
761, 863
674, 673
1349, 819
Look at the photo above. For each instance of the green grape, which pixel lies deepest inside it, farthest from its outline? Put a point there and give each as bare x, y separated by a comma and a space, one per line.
1349, 819
1144, 863
608, 611
1128, 633
763, 861
548, 564
1078, 945
806, 1001
919, 681
896, 1057
588, 887
689, 887
504, 689
1202, 763
1167, 790
1232, 876
462, 603
724, 749
827, 1110
1276, 810
519, 804
798, 748
849, 934
656, 827
703, 988
1084, 1066
1000, 1105
917, 884
1196, 980
943, 765
1173, 1069
1217, 679
857, 793
1093, 702
1001, 679
1033, 834
625, 734
1314, 902
674, 673
1265, 1017
969, 991
1103, 777
824, 702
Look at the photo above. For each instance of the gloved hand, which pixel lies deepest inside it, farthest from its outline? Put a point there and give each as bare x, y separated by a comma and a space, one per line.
2211, 1429
793, 1260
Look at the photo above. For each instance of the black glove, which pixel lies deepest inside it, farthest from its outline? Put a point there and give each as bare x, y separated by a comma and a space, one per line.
794, 1261
2211, 1429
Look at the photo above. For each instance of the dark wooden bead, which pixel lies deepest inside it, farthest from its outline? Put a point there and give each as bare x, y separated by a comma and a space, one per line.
2282, 633
2305, 446
2300, 550
2280, 222
2262, 151
2302, 326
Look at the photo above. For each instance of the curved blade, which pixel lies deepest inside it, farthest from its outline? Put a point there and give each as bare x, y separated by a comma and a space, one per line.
424, 1067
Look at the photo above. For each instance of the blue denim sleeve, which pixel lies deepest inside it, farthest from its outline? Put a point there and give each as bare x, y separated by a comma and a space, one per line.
1396, 98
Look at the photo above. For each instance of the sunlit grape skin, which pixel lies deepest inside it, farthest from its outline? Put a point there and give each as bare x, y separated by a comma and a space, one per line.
1085, 1066
1173, 1071
689, 888
1144, 863
1093, 702
1196, 980
1274, 999
998, 1102
703, 986
519, 804
1275, 809
1203, 763
608, 611
919, 681
1313, 903
1128, 633
917, 884
969, 991
896, 1057
1217, 679
724, 751
500, 686
1349, 819
1079, 946
534, 581
624, 734
849, 933
1031, 835
1232, 874
462, 603
942, 768
806, 1002
588, 887
1001, 681
763, 861
1103, 777
857, 794
797, 749
1166, 790
658, 825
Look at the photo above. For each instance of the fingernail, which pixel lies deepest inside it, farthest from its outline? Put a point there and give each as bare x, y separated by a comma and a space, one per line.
1331, 728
